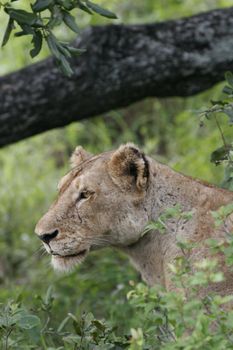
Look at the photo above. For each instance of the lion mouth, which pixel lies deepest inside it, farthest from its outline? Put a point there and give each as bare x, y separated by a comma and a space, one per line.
79, 254
68, 261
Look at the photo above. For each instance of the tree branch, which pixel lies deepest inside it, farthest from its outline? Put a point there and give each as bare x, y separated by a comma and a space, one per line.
123, 64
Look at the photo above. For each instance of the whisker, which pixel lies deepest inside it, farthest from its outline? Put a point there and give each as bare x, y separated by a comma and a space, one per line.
43, 253
36, 251
97, 240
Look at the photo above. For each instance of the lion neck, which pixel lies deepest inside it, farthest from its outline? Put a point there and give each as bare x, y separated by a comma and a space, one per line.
151, 253
146, 257
147, 254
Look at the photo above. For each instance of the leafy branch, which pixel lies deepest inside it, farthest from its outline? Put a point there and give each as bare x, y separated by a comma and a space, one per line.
223, 154
44, 17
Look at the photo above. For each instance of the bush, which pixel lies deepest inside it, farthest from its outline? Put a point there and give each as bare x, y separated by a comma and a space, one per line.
184, 318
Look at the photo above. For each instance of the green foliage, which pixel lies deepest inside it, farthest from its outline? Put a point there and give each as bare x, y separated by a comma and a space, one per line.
40, 21
182, 320
222, 213
185, 318
223, 154
23, 329
161, 223
72, 313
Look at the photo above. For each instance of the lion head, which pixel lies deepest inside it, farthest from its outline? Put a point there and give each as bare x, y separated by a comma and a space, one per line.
100, 203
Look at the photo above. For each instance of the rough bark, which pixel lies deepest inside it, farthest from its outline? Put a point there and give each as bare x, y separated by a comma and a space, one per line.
123, 64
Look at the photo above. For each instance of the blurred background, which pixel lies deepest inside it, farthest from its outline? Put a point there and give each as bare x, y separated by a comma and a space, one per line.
168, 129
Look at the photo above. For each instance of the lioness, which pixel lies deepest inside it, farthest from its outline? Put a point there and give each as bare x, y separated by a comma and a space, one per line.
108, 199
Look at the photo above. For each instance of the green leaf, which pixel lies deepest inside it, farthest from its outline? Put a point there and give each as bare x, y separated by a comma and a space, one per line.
61, 52
65, 66
220, 154
99, 325
73, 317
49, 294
229, 78
24, 17
75, 51
67, 4
56, 17
219, 102
26, 30
53, 45
41, 5
69, 20
71, 339
217, 277
62, 324
37, 42
62, 47
227, 90
28, 321
9, 28
100, 10
83, 7
229, 113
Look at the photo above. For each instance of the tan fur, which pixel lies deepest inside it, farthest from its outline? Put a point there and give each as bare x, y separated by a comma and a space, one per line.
107, 200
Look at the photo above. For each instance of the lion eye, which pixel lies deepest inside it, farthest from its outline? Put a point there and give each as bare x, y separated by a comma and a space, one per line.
84, 195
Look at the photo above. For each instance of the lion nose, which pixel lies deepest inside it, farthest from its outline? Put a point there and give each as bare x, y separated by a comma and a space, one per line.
47, 237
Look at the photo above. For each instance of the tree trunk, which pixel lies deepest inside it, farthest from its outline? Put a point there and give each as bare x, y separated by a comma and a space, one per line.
123, 64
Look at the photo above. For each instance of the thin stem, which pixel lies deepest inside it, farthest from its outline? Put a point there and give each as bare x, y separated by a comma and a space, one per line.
43, 342
7, 337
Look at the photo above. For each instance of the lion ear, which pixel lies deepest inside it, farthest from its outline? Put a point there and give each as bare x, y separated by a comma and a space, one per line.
129, 168
79, 155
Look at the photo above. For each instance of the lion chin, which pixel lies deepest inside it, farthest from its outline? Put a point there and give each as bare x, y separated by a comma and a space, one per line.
67, 263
